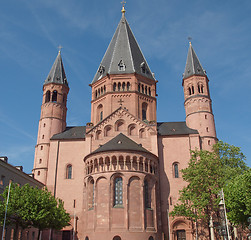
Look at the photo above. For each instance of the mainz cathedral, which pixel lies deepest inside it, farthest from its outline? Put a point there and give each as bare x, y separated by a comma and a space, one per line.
120, 175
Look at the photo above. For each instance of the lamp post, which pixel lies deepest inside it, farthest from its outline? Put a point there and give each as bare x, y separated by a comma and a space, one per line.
223, 217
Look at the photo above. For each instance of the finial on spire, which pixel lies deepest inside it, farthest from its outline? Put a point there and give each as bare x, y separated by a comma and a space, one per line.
190, 40
59, 48
123, 7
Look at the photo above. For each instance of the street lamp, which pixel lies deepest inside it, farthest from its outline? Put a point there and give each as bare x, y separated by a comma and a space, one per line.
223, 231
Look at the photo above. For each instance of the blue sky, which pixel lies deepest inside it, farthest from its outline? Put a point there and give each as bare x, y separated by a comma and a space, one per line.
30, 32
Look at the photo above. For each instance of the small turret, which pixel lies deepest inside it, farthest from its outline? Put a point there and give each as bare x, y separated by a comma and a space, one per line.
53, 116
198, 104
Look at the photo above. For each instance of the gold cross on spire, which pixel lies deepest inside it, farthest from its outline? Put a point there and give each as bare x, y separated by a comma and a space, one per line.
123, 6
189, 39
59, 48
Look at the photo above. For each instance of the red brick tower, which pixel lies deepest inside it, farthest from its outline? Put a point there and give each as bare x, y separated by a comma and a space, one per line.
121, 181
123, 78
198, 104
53, 116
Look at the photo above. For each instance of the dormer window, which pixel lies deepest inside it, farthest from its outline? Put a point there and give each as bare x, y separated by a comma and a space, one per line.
101, 70
143, 67
121, 66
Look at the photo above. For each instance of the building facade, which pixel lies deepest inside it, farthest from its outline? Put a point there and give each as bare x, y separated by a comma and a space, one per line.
119, 176
15, 174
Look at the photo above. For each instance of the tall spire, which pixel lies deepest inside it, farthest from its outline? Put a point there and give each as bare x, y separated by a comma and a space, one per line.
123, 54
57, 72
193, 66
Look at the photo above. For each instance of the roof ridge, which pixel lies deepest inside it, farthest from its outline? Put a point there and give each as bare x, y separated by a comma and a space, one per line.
127, 24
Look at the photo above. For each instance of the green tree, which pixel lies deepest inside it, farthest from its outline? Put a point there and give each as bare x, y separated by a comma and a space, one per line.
238, 198
207, 173
35, 207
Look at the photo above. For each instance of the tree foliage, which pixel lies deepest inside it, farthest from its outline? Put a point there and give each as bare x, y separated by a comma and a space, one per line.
238, 198
34, 207
207, 173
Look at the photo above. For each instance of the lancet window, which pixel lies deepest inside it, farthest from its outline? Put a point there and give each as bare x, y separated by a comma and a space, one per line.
54, 96
176, 170
48, 96
69, 171
118, 191
146, 195
90, 194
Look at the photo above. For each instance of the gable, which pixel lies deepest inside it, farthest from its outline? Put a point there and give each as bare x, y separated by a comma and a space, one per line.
121, 121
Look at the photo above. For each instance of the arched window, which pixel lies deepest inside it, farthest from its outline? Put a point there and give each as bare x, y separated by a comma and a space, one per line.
142, 88
48, 96
54, 96
99, 135
144, 111
96, 94
128, 86
101, 90
104, 89
114, 87
189, 91
176, 170
118, 191
151, 238
132, 130
200, 88
100, 113
192, 89
142, 133
119, 86
146, 195
123, 86
139, 87
145, 89
69, 171
90, 194
117, 238
108, 130
149, 91
86, 238
119, 125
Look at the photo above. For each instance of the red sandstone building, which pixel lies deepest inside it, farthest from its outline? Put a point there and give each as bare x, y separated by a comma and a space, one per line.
119, 176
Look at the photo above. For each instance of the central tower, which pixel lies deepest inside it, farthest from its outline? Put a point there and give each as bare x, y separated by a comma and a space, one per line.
123, 79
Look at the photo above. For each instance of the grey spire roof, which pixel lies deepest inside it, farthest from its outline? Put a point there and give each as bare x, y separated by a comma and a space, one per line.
120, 143
193, 66
57, 73
123, 55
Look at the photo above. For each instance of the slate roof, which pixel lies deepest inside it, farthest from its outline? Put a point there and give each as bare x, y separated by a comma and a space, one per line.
120, 143
193, 66
57, 73
174, 128
163, 128
71, 133
123, 49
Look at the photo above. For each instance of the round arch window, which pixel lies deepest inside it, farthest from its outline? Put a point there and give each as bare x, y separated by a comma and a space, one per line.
117, 238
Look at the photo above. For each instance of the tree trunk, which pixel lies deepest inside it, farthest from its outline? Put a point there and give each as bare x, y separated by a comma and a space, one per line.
15, 237
38, 236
